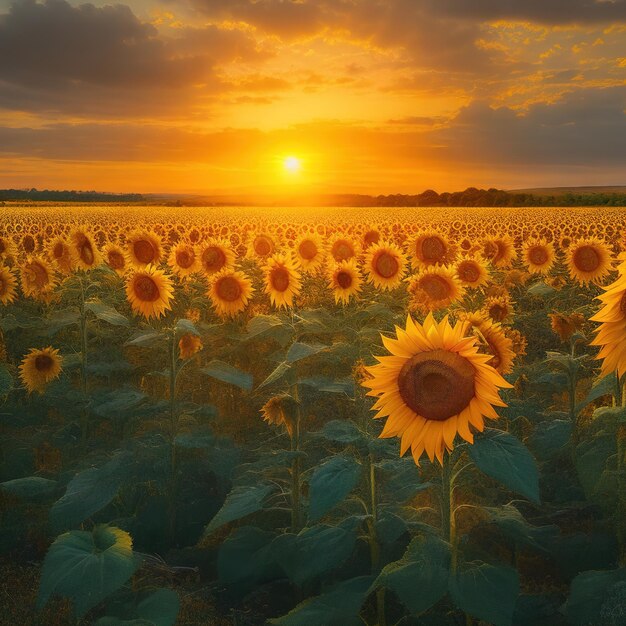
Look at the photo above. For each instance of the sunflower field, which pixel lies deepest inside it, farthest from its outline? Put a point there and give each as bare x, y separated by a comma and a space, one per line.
312, 417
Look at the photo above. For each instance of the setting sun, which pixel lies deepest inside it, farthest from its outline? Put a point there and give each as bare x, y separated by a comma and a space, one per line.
292, 164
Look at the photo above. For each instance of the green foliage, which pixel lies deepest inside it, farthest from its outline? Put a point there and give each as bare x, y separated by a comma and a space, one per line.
6, 381
518, 530
330, 483
420, 577
156, 608
107, 313
30, 487
228, 374
87, 566
503, 457
487, 592
298, 351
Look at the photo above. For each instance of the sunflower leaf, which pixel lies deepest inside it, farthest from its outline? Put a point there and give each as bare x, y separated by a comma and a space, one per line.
106, 313
506, 459
228, 374
298, 351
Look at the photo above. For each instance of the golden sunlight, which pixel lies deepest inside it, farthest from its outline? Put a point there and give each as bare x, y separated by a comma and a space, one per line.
292, 164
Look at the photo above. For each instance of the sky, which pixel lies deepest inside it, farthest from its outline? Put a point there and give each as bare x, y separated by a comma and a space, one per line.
355, 96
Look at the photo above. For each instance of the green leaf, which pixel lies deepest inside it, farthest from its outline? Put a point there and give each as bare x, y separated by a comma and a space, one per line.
90, 491
313, 552
341, 431
156, 608
30, 487
550, 438
228, 374
241, 501
298, 351
279, 371
588, 593
541, 290
87, 566
330, 483
117, 403
420, 577
591, 461
268, 326
607, 385
328, 385
503, 457
186, 327
6, 381
339, 606
107, 313
146, 338
487, 592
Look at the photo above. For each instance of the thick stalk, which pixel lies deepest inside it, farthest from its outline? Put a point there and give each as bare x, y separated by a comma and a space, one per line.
173, 432
84, 420
374, 544
448, 524
295, 464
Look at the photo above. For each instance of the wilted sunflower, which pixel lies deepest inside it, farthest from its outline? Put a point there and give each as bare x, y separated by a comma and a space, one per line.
433, 289
588, 260
282, 280
472, 272
183, 260
611, 335
538, 255
143, 248
385, 265
8, 285
188, 345
215, 255
566, 325
430, 248
39, 367
280, 411
345, 281
433, 386
115, 258
309, 251
85, 254
60, 253
149, 292
38, 280
230, 292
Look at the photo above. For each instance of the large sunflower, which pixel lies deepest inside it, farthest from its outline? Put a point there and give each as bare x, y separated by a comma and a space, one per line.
8, 285
345, 281
471, 271
143, 248
343, 248
8, 249
115, 258
611, 335
183, 260
60, 253
430, 248
38, 280
588, 260
434, 385
499, 250
385, 265
39, 367
434, 288
262, 246
230, 292
310, 252
85, 254
149, 292
215, 256
282, 280
539, 256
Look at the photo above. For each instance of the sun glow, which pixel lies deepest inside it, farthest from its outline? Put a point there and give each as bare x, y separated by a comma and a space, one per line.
292, 164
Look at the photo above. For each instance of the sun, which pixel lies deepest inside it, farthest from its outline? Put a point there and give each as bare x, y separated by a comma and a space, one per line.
292, 164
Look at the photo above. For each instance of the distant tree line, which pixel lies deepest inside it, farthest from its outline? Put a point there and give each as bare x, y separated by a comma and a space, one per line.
68, 196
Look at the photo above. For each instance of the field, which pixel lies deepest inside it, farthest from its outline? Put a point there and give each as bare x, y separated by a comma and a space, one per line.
310, 417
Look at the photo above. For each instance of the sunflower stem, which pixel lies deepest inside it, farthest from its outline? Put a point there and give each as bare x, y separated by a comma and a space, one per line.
374, 544
173, 431
295, 465
83, 365
447, 509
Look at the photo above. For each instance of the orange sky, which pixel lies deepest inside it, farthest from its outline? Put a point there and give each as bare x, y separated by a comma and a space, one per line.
372, 96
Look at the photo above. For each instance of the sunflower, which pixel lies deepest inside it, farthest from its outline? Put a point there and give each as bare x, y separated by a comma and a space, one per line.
434, 385
262, 246
430, 248
472, 272
588, 260
37, 277
143, 248
282, 280
85, 254
188, 345
497, 344
115, 258
39, 367
230, 292
8, 249
499, 250
538, 255
612, 331
566, 325
183, 260
370, 237
385, 265
8, 285
60, 253
280, 410
498, 308
343, 248
345, 281
215, 256
433, 289
149, 292
309, 251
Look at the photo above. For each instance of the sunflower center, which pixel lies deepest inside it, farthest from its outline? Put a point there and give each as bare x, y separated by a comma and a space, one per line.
28, 243
116, 260
468, 272
280, 279
262, 246
538, 255
307, 249
344, 280
433, 248
144, 251
58, 251
500, 251
38, 275
586, 259
342, 251
436, 287
386, 265
213, 259
146, 289
85, 251
490, 250
497, 312
370, 237
437, 384
43, 362
184, 258
229, 289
